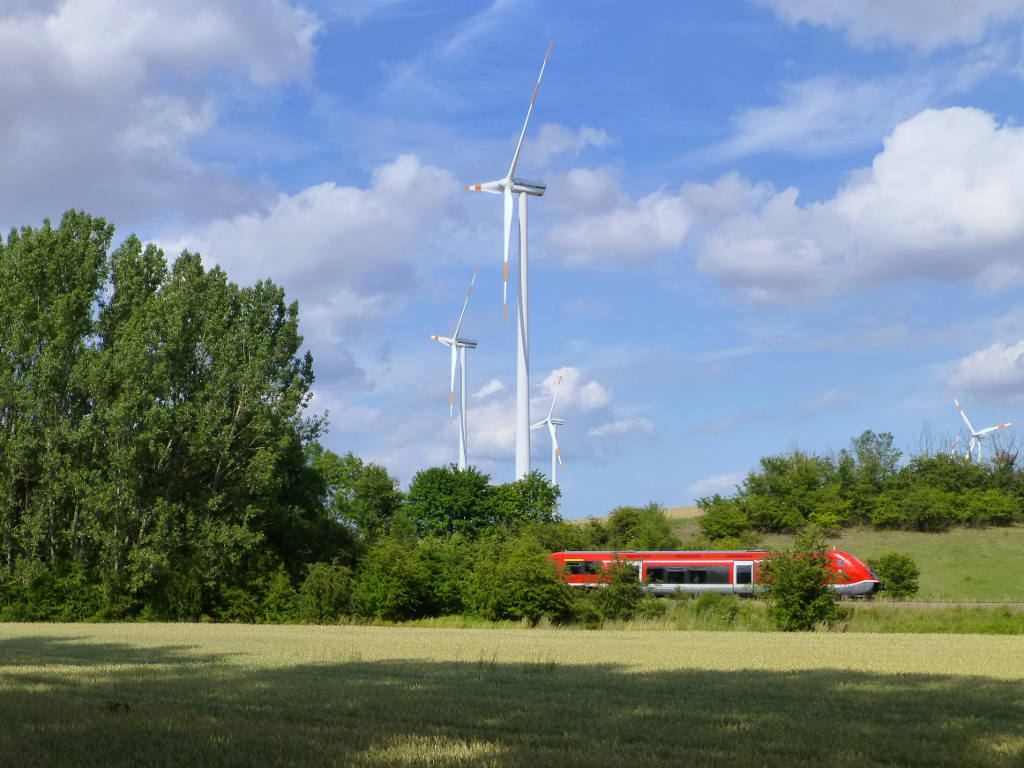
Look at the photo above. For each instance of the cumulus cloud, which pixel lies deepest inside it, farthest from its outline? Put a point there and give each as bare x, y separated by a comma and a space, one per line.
996, 372
943, 200
923, 24
553, 139
105, 105
619, 229
346, 253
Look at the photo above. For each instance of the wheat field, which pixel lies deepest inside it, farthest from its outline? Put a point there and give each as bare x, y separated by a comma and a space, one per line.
227, 695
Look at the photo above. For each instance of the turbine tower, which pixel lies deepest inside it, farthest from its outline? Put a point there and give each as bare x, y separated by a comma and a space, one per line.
977, 434
459, 346
523, 188
551, 424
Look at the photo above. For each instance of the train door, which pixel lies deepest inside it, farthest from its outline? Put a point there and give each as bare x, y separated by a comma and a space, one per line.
743, 577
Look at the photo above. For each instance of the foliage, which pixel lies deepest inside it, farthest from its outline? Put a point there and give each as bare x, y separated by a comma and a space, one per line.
716, 608
637, 528
153, 426
866, 484
360, 495
798, 586
529, 500
898, 572
621, 593
392, 582
445, 500
326, 593
513, 579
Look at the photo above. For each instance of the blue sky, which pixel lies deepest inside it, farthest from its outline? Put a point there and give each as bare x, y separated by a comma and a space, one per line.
769, 224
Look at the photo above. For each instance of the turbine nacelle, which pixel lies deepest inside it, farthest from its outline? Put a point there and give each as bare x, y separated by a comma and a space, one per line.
535, 188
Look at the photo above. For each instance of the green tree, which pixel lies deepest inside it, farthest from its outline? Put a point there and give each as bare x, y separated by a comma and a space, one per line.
798, 585
531, 499
898, 573
360, 495
446, 500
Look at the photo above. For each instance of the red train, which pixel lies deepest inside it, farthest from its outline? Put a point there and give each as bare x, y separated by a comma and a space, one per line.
664, 573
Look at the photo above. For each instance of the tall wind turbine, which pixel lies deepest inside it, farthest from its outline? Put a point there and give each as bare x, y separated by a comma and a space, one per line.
459, 346
551, 423
977, 434
523, 188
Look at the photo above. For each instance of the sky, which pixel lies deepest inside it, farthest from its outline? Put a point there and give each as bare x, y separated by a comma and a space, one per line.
770, 224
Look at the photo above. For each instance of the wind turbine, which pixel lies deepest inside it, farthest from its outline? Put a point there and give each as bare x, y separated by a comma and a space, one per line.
506, 187
551, 424
459, 346
977, 434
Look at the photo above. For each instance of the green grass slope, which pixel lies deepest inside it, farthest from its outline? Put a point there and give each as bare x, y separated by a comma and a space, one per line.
963, 564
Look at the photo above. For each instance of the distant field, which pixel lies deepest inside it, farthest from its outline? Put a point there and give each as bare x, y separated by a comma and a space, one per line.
961, 564
222, 695
673, 513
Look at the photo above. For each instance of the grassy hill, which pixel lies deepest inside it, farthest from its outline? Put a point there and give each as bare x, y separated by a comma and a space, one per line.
960, 564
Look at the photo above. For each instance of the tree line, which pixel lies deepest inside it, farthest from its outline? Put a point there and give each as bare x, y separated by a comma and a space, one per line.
867, 485
157, 462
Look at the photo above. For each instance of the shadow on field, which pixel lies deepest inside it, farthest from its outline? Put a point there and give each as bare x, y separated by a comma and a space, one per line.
125, 706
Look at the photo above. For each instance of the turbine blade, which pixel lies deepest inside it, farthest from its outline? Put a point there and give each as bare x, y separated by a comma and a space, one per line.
458, 325
554, 443
443, 339
515, 157
966, 420
558, 386
508, 234
993, 429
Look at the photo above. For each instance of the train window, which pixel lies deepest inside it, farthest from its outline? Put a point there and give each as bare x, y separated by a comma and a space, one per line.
655, 575
744, 574
578, 567
676, 575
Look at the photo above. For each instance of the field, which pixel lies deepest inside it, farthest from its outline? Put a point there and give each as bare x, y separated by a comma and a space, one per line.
222, 695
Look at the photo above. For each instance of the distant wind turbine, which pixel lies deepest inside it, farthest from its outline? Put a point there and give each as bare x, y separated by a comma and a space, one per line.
551, 424
507, 187
978, 434
459, 346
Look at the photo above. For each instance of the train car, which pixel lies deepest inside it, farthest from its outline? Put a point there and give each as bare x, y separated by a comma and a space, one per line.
732, 572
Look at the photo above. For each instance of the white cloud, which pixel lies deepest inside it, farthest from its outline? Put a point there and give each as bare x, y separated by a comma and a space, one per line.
724, 484
573, 392
825, 115
924, 24
346, 253
490, 388
996, 372
631, 231
835, 397
553, 139
109, 95
628, 426
616, 228
943, 200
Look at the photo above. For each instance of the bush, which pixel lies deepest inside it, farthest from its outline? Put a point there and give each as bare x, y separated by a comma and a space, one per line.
515, 580
392, 583
326, 593
716, 608
621, 595
898, 572
798, 586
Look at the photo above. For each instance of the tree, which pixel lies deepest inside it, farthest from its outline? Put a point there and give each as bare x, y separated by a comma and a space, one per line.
446, 500
898, 573
152, 422
362, 496
531, 499
798, 585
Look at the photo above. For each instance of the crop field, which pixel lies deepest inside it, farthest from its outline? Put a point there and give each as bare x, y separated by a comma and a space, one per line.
226, 695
